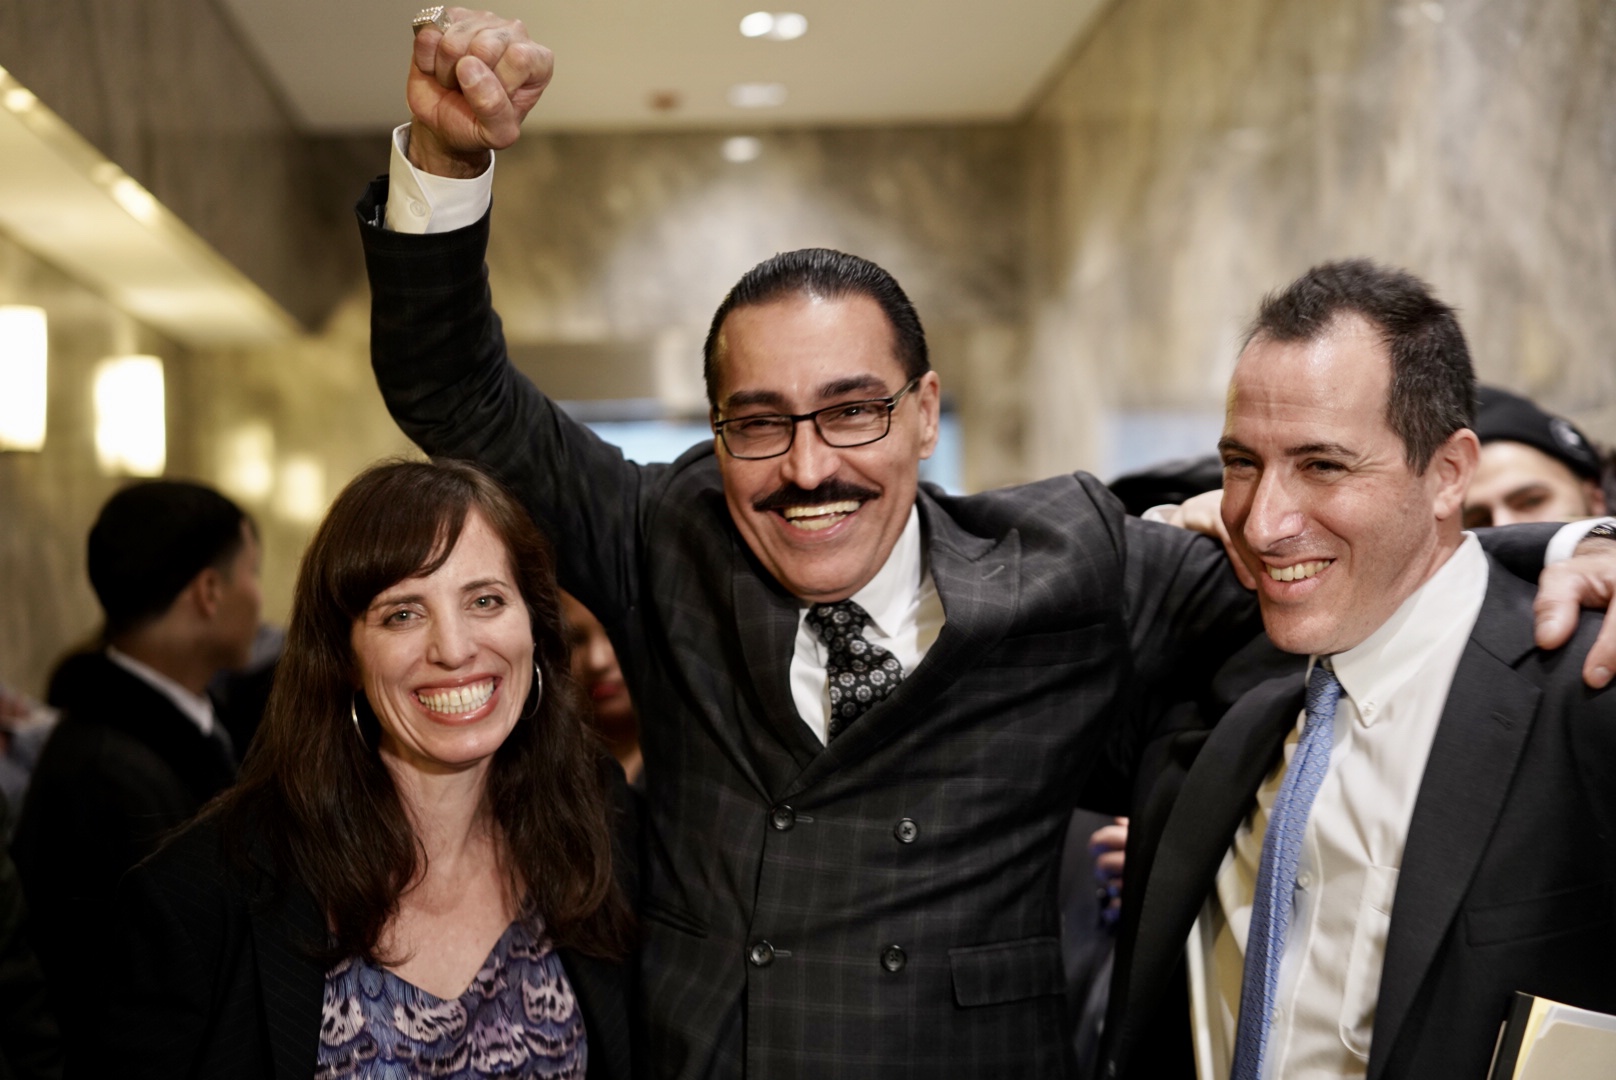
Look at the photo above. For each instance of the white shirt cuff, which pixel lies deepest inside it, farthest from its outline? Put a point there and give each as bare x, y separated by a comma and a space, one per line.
1566, 540
421, 202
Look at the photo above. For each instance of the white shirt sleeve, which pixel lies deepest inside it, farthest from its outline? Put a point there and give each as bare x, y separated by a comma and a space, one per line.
421, 202
1566, 540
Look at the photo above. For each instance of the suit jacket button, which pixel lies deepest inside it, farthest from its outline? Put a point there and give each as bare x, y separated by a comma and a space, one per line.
761, 954
893, 958
782, 818
906, 831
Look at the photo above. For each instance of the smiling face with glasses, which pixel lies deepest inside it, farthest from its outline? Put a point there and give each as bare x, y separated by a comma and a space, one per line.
820, 437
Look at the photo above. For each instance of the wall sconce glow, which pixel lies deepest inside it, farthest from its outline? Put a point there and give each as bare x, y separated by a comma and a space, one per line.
300, 493
130, 426
247, 461
776, 25
23, 362
739, 149
757, 95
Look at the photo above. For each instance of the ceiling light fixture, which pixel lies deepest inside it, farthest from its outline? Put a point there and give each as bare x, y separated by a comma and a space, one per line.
774, 25
739, 149
757, 95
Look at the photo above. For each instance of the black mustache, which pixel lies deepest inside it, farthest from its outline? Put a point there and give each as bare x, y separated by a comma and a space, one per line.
830, 491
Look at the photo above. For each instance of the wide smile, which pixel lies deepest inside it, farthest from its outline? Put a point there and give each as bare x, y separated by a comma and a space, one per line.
1301, 571
820, 516
458, 703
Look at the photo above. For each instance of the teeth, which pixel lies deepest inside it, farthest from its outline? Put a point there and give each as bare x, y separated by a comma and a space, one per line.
1298, 572
847, 506
822, 516
459, 699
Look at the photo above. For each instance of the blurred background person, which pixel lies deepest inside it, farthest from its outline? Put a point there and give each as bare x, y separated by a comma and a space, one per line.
1534, 466
415, 873
25, 726
139, 749
30, 1043
595, 670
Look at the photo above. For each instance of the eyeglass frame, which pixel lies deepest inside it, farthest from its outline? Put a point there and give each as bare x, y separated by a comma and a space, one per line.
890, 402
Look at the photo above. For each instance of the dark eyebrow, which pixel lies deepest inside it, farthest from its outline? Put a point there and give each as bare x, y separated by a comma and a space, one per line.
755, 397
868, 384
1227, 445
484, 583
1327, 449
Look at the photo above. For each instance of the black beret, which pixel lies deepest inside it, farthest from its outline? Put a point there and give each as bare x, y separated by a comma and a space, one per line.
1507, 417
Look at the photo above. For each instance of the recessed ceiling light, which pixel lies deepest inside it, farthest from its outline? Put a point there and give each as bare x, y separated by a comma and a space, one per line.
788, 26
739, 149
752, 95
774, 25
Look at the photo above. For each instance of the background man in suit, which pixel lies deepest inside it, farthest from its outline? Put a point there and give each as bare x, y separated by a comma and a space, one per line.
139, 750
1363, 882
1533, 466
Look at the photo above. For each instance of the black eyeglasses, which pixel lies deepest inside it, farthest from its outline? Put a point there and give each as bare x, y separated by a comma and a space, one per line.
852, 423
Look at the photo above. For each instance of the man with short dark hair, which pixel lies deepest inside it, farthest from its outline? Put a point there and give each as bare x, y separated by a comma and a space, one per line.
1359, 885
1534, 466
139, 749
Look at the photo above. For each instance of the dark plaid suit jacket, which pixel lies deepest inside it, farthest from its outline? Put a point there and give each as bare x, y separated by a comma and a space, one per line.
884, 906
1508, 879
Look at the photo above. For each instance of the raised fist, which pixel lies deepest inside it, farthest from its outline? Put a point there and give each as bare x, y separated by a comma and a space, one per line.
470, 86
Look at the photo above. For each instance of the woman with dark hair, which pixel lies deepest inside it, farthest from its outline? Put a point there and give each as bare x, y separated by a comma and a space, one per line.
414, 875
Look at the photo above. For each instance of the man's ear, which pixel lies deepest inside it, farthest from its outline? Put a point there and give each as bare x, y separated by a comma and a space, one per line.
1450, 471
205, 591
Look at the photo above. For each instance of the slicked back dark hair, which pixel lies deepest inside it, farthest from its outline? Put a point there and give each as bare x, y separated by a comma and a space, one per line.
1433, 387
318, 791
822, 274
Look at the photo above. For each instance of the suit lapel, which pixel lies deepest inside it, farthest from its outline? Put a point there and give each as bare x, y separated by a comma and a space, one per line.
766, 618
978, 582
1214, 798
1478, 743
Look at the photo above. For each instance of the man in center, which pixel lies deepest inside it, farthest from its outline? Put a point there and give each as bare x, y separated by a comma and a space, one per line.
869, 707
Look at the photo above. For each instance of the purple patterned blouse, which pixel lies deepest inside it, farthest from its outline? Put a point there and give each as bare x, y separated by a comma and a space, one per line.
518, 1018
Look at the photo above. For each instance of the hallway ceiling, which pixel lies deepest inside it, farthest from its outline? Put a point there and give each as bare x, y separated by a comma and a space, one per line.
341, 65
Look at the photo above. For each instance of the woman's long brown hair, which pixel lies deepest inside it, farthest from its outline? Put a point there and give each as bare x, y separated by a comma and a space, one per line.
319, 795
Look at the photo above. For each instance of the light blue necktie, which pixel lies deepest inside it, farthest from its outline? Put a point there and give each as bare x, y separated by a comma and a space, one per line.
1276, 874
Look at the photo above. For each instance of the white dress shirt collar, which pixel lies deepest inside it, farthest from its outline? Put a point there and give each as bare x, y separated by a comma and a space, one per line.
195, 706
1372, 671
890, 594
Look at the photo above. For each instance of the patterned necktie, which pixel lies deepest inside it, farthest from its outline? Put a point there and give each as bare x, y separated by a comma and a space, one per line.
860, 674
1276, 874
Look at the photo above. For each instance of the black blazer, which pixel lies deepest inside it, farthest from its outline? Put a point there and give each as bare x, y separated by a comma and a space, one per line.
123, 769
216, 981
1508, 879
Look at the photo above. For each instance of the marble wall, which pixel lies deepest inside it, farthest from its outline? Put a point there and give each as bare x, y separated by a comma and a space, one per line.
1195, 154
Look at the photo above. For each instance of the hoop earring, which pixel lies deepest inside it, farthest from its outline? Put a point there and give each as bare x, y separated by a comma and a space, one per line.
353, 714
538, 686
